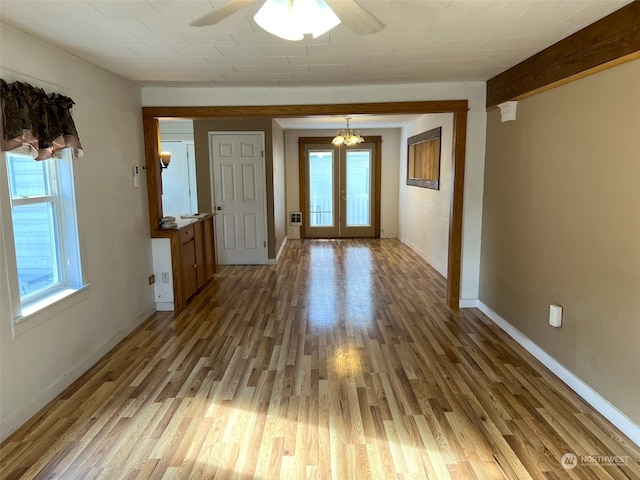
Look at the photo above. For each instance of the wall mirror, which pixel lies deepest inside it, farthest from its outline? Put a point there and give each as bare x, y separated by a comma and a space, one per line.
423, 159
179, 187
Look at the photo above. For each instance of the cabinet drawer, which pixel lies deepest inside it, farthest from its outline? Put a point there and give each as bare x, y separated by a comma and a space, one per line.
186, 234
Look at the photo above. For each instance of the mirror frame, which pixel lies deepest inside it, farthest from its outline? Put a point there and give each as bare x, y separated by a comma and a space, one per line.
431, 137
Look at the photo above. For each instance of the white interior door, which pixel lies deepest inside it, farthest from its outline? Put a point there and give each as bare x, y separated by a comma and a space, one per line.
238, 181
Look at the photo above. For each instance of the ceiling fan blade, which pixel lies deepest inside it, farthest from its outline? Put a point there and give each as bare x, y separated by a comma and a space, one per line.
220, 14
356, 17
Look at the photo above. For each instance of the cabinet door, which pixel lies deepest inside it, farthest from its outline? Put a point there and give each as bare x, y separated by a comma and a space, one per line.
188, 258
201, 277
209, 248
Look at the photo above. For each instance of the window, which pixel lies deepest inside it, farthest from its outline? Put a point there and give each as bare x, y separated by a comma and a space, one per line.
40, 231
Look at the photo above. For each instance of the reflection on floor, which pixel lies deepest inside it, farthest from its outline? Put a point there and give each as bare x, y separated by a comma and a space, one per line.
343, 361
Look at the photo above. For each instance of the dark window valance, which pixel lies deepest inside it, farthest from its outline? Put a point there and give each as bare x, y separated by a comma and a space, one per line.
37, 121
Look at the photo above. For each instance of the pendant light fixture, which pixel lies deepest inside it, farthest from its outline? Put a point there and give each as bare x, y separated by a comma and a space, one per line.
347, 136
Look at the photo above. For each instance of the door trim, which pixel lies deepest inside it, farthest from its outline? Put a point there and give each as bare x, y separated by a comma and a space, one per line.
264, 187
302, 172
459, 108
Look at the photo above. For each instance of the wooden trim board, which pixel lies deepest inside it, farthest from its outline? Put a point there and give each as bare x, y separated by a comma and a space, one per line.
616, 36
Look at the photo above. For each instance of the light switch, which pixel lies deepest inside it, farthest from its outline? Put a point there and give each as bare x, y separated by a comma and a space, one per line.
136, 175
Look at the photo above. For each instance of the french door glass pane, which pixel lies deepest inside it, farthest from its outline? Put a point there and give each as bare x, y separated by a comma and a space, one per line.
358, 188
34, 230
321, 208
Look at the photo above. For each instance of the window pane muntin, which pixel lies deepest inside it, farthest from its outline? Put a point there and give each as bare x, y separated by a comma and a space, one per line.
321, 208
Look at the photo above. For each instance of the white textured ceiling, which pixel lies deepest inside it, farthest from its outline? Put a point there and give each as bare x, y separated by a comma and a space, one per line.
151, 42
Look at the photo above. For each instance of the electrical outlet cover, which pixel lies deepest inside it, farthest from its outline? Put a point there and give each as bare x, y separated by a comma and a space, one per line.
555, 315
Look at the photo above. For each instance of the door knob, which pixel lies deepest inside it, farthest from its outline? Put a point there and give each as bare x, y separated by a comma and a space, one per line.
218, 208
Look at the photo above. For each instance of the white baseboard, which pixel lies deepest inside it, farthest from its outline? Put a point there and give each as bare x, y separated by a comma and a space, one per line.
588, 394
12, 423
274, 261
165, 306
468, 303
424, 256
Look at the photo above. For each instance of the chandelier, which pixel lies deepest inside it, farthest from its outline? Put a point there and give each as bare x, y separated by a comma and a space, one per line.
347, 136
291, 19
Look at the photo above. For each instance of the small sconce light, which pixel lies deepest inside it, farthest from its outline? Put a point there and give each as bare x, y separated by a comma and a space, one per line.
165, 158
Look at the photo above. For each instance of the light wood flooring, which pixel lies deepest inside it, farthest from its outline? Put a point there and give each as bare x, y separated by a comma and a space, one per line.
341, 362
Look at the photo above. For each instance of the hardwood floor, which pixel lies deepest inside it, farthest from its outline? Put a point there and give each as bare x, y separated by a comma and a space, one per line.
341, 362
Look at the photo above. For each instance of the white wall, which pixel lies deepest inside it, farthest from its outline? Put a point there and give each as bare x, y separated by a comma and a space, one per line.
474, 92
41, 361
389, 172
424, 213
279, 186
163, 291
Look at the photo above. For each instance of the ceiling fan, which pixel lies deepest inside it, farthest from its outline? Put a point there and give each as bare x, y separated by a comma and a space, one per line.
357, 18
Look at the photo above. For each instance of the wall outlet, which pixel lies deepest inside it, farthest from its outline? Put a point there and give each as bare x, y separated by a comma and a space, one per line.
295, 218
555, 315
293, 233
152, 279
165, 277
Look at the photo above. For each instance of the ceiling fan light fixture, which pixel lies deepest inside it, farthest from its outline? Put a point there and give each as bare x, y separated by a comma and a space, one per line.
292, 19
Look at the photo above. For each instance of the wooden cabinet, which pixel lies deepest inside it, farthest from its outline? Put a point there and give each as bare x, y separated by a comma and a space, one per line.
193, 260
209, 249
197, 255
188, 260
200, 241
205, 251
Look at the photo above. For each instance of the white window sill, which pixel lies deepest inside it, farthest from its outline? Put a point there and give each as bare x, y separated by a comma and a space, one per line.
41, 311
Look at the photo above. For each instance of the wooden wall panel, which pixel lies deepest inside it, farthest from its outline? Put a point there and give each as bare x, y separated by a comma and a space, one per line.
457, 204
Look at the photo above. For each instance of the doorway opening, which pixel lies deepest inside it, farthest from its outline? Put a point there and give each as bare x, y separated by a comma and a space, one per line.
459, 108
339, 188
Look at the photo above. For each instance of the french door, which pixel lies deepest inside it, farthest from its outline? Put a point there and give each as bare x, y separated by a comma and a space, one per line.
340, 191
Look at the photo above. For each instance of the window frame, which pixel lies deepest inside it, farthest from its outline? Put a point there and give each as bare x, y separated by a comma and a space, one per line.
60, 174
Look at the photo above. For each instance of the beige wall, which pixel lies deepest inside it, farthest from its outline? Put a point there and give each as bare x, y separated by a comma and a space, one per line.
424, 213
561, 224
201, 129
58, 345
